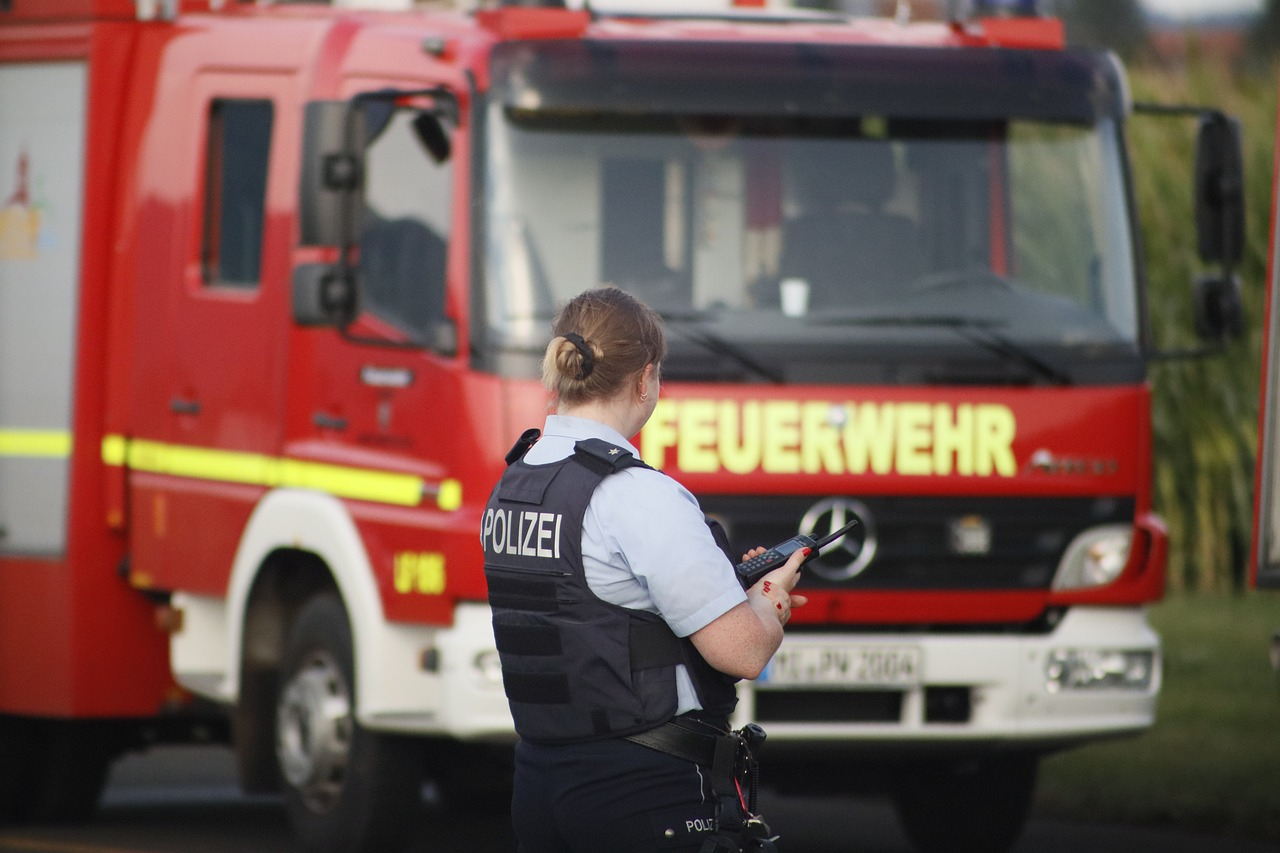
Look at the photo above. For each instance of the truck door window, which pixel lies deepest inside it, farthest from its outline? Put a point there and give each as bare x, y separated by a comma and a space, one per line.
406, 228
236, 191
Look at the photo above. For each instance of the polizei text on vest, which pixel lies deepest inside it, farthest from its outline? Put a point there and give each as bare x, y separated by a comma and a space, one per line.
525, 534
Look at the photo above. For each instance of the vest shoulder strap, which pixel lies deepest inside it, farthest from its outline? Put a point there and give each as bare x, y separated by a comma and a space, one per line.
527, 439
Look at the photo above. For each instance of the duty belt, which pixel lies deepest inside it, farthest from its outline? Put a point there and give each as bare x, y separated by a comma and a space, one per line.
729, 755
710, 749
732, 760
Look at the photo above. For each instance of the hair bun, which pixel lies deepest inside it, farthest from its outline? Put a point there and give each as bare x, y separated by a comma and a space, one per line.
588, 357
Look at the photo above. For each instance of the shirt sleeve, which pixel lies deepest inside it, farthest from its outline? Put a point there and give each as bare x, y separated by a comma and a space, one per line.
655, 527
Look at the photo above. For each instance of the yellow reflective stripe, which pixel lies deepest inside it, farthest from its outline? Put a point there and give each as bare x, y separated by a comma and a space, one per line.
358, 483
228, 466
200, 463
45, 443
114, 448
449, 495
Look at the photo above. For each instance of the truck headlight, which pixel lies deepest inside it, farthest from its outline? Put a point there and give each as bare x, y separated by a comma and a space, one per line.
488, 666
1095, 558
1099, 669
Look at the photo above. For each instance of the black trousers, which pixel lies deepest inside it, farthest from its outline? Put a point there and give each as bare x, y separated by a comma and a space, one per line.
612, 795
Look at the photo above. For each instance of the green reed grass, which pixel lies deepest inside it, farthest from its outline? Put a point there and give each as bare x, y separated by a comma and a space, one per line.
1211, 763
1205, 411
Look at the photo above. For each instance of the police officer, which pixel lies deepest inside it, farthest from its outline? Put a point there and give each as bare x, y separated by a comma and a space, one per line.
619, 621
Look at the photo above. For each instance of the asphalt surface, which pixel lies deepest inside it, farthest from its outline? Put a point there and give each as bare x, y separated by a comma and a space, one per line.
184, 800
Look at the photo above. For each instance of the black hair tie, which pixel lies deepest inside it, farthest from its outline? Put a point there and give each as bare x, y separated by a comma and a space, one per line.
588, 357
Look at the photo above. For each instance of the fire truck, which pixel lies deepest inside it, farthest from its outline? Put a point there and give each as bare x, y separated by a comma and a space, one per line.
275, 282
1265, 562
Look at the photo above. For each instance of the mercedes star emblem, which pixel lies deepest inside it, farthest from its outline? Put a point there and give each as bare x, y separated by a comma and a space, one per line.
842, 559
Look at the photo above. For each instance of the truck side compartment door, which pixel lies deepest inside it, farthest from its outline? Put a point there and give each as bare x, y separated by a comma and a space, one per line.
42, 115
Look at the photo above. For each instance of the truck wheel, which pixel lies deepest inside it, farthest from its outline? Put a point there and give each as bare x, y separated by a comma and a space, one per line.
346, 789
17, 758
72, 773
969, 807
53, 771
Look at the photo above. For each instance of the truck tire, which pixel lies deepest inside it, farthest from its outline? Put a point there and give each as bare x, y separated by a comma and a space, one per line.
73, 768
346, 789
967, 807
17, 757
53, 771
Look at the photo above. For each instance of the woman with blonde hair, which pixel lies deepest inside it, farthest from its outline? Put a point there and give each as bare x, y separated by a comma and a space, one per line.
620, 622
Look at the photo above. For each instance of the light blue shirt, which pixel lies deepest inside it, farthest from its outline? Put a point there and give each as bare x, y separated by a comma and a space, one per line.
645, 542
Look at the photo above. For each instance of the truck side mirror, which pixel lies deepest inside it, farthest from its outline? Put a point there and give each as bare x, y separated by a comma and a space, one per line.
325, 295
331, 207
1219, 190
329, 197
434, 138
1218, 307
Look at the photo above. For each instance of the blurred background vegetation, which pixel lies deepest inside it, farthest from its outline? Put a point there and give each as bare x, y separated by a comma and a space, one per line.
1210, 761
1205, 410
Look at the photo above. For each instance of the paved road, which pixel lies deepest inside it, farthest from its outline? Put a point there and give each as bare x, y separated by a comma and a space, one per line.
184, 800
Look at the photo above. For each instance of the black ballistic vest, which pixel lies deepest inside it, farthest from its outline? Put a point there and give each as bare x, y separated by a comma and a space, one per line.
576, 668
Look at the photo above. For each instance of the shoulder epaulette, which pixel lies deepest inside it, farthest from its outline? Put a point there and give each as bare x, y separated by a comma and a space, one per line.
605, 456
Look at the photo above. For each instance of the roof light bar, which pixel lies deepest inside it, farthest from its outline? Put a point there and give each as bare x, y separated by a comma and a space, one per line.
967, 10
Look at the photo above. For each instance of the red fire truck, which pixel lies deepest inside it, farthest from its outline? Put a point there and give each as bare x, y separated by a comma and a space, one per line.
1265, 562
274, 284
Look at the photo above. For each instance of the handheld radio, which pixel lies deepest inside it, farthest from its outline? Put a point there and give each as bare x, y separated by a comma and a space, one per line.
750, 571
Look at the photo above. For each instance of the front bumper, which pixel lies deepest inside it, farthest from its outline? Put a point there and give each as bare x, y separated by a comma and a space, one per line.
970, 691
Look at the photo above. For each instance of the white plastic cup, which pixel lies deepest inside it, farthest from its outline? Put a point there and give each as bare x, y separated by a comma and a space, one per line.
795, 297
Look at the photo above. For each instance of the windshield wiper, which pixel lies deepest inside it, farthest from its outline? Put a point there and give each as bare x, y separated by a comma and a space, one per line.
994, 342
843, 318
682, 324
980, 332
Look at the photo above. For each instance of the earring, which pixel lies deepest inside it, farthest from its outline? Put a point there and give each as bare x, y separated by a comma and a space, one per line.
644, 398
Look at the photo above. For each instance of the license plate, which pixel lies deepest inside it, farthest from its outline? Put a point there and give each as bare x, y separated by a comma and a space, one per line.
843, 666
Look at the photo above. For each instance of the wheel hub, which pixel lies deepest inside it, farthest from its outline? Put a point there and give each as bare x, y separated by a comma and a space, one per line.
313, 731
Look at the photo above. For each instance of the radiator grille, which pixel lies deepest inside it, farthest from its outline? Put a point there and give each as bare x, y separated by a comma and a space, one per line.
915, 547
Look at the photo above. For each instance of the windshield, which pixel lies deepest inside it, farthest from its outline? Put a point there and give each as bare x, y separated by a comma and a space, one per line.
827, 248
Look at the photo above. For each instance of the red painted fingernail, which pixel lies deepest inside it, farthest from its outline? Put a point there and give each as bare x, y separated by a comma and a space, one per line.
766, 586
808, 551
779, 605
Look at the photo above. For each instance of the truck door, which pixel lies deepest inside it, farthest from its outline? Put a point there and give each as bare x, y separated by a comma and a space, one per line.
370, 388
386, 393
212, 374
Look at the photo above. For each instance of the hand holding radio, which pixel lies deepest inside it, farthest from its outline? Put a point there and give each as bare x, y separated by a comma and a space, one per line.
750, 571
775, 591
